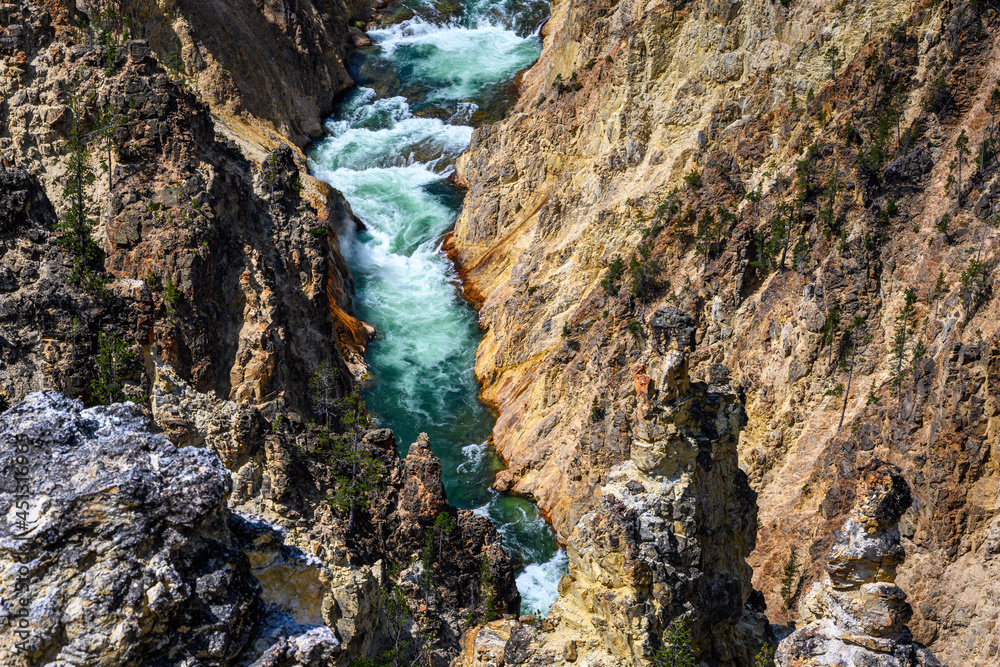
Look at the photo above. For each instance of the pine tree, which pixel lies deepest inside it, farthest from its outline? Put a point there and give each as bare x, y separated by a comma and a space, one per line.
829, 212
789, 577
396, 615
77, 223
833, 57
115, 360
705, 236
171, 296
676, 649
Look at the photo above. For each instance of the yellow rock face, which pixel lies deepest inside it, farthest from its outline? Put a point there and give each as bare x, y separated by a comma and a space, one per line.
625, 101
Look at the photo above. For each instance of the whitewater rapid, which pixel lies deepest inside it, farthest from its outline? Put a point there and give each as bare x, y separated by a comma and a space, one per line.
390, 148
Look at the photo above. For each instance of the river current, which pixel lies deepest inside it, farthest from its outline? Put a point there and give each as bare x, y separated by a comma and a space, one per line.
435, 69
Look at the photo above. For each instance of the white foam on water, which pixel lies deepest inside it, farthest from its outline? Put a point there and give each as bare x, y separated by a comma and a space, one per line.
384, 133
456, 60
473, 455
539, 583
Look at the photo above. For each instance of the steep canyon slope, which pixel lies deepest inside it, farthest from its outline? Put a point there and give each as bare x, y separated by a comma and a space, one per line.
195, 270
782, 174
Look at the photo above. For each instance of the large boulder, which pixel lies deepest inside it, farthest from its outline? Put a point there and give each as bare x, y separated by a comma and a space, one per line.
116, 548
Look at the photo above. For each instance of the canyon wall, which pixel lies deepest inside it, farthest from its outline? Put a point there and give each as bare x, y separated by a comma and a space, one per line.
266, 67
209, 290
781, 174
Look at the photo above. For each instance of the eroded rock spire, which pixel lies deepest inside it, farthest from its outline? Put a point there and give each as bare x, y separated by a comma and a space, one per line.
857, 615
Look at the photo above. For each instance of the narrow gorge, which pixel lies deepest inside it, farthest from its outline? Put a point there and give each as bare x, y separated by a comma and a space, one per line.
481, 333
391, 156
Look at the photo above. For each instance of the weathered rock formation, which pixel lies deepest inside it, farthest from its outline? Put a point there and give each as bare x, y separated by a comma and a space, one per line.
116, 548
667, 541
265, 68
698, 142
278, 478
857, 615
250, 253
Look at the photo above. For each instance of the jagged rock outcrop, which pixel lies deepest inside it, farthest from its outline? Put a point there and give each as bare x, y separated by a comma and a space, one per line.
857, 615
667, 541
117, 548
732, 161
252, 256
404, 513
265, 67
277, 478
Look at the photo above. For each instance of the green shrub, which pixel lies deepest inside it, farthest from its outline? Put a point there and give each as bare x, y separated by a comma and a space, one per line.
836, 392
115, 361
613, 275
171, 296
596, 411
693, 179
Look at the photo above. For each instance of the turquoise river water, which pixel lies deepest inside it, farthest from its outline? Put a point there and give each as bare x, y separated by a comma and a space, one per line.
433, 71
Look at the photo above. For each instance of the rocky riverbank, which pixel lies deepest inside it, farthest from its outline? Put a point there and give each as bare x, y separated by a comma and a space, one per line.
208, 286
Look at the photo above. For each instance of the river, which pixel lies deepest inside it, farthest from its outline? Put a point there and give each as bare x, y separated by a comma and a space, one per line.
435, 70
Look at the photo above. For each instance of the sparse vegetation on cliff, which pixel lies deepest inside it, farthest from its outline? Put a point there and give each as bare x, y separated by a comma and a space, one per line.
675, 647
337, 437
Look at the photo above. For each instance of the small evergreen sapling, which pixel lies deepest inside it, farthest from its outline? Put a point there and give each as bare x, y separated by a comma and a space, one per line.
676, 649
115, 361
789, 577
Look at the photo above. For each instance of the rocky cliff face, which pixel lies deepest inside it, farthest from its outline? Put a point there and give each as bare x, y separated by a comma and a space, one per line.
857, 615
248, 251
222, 281
667, 542
118, 548
266, 68
698, 143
